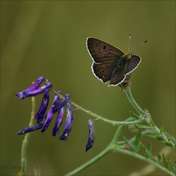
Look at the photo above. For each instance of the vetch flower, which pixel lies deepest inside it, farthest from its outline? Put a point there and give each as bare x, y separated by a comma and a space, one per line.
35, 85
39, 116
51, 112
59, 121
69, 119
30, 129
91, 135
37, 91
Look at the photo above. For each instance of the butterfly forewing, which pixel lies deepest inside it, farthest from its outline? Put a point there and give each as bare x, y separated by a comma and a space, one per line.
102, 52
102, 71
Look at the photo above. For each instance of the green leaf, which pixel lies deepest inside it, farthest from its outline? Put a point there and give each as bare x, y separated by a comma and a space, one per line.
135, 142
129, 119
148, 151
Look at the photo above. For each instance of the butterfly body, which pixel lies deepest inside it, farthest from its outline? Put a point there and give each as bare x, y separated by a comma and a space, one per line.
110, 64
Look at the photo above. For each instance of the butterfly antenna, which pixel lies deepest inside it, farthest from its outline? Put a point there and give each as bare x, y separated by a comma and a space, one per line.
130, 44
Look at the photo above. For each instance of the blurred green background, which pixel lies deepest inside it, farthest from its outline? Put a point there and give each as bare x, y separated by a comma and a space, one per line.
48, 38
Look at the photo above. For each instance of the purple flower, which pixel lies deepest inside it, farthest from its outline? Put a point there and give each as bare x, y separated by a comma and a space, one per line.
35, 85
69, 120
91, 136
30, 129
33, 90
50, 113
59, 121
43, 106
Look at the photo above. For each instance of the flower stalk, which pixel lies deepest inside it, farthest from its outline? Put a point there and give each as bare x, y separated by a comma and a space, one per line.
132, 101
25, 142
104, 119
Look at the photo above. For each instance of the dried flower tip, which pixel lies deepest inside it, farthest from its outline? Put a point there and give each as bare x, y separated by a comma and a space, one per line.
33, 92
69, 121
29, 129
91, 135
43, 107
59, 121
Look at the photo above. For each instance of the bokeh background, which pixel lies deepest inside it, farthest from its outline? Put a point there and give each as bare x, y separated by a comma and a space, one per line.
48, 38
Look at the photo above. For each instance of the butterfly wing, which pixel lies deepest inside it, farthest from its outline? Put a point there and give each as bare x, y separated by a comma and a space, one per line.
118, 73
104, 56
117, 79
102, 71
102, 52
132, 64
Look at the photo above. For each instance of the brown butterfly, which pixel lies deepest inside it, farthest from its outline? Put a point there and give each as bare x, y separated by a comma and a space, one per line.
110, 64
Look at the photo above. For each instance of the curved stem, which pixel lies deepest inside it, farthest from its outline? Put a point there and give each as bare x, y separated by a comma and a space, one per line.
117, 134
132, 100
143, 158
25, 142
150, 168
99, 156
90, 162
99, 117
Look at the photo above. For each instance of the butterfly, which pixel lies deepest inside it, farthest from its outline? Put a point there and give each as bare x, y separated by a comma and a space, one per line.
110, 65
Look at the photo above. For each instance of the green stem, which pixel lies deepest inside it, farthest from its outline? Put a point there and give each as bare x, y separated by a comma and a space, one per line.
90, 162
99, 117
143, 158
116, 134
25, 142
132, 101
150, 168
99, 156
113, 145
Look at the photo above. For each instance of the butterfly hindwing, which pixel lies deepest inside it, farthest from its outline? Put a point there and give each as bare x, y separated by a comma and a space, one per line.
117, 79
102, 52
117, 76
132, 63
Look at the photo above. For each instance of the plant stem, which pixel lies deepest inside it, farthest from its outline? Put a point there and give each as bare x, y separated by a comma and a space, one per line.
117, 134
100, 155
132, 101
113, 146
150, 168
99, 117
25, 142
90, 162
143, 158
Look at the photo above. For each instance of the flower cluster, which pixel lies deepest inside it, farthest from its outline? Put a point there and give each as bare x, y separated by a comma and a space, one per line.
59, 105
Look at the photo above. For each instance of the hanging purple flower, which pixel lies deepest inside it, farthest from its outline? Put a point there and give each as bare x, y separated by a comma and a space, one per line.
33, 92
59, 121
35, 85
30, 129
91, 134
51, 112
69, 120
43, 106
